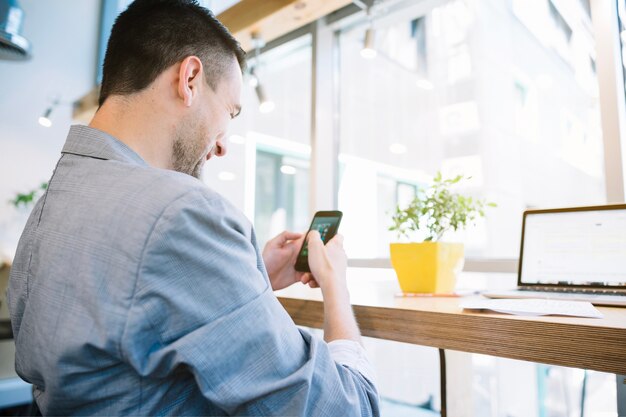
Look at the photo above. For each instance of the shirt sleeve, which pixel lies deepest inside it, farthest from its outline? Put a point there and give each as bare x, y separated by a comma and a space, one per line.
203, 303
351, 354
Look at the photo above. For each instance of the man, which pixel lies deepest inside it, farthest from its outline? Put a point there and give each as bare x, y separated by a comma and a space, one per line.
136, 290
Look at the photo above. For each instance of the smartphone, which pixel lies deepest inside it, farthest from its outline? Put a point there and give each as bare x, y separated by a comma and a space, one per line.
326, 223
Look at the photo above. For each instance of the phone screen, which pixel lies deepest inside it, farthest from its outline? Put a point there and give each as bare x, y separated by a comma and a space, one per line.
326, 223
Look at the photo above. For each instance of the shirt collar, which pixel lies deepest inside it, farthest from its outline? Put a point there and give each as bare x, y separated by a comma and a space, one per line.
94, 143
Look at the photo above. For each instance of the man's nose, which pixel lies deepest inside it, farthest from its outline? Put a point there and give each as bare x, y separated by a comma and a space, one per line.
220, 147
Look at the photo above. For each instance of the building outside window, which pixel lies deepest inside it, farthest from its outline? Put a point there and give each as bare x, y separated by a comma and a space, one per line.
504, 92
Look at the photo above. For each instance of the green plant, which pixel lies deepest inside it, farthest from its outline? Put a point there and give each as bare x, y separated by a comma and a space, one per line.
437, 209
29, 198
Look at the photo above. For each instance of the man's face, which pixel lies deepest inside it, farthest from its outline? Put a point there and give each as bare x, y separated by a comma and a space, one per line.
201, 135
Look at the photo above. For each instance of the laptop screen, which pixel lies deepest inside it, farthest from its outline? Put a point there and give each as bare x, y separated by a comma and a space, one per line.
579, 247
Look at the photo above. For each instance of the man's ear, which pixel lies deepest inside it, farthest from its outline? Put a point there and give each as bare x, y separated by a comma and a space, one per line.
189, 78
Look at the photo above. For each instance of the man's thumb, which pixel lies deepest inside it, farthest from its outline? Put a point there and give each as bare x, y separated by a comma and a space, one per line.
314, 240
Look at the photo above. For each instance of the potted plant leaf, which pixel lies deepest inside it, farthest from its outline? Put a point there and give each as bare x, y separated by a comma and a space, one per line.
431, 266
25, 200
14, 219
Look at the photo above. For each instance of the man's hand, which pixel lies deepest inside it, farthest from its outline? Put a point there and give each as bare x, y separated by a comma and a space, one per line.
328, 265
328, 262
279, 256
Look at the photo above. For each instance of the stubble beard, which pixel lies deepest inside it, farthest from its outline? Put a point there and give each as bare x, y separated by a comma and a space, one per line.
189, 151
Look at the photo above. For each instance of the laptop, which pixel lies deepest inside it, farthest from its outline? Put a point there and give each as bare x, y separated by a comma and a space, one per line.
576, 254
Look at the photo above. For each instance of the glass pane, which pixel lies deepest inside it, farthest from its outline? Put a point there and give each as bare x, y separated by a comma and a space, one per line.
266, 171
504, 92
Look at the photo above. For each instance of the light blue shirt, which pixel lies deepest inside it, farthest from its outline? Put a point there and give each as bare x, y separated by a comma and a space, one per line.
139, 291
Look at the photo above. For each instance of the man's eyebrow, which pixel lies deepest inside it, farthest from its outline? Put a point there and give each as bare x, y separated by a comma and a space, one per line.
236, 112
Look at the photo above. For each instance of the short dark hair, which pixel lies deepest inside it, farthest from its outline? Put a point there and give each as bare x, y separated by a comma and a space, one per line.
152, 35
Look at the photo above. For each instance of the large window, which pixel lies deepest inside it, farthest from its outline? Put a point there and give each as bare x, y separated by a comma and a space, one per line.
504, 92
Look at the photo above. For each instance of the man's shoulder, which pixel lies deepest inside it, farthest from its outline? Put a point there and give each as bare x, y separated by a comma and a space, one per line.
168, 186
171, 191
151, 185
122, 193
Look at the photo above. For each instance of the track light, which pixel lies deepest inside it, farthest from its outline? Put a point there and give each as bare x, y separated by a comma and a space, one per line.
45, 119
265, 104
369, 50
369, 47
253, 80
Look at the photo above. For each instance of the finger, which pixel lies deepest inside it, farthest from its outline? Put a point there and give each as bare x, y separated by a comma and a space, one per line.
316, 246
287, 235
305, 278
313, 236
293, 247
317, 251
313, 284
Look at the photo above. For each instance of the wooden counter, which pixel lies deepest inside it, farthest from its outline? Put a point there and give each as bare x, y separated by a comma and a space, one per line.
596, 344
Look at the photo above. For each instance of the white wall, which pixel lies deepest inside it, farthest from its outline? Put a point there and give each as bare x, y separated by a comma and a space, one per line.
63, 35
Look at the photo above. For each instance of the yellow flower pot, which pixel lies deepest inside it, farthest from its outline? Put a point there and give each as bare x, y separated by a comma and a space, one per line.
427, 267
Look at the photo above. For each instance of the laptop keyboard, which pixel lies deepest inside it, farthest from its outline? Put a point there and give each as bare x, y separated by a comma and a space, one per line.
608, 298
593, 291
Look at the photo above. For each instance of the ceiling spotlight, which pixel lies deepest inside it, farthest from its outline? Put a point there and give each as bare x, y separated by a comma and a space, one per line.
397, 148
369, 48
424, 84
265, 104
288, 170
369, 51
45, 119
253, 81
267, 107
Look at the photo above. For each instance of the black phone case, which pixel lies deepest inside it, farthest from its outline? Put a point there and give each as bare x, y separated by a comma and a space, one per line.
302, 262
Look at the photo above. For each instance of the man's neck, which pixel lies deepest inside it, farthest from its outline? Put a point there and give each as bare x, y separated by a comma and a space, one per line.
138, 128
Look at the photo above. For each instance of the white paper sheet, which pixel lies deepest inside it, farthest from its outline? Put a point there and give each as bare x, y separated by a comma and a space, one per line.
535, 307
